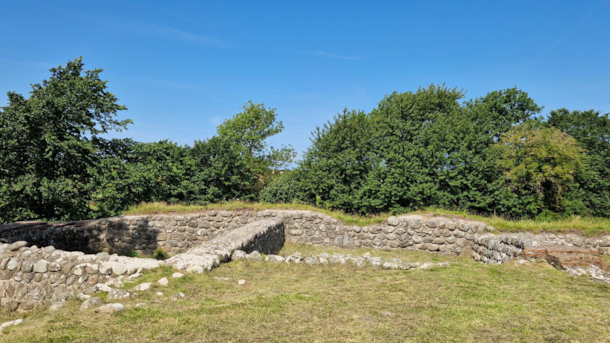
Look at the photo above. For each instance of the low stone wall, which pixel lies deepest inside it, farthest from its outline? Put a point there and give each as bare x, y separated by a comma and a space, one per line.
33, 277
178, 233
501, 248
143, 234
266, 236
410, 232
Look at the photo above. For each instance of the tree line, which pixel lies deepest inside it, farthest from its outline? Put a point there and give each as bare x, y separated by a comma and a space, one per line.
56, 164
494, 154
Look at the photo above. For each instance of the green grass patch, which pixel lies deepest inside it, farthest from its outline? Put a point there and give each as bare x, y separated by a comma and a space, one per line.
587, 225
465, 302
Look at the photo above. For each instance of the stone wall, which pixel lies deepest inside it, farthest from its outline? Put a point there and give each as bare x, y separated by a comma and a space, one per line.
178, 233
410, 232
501, 248
33, 277
143, 234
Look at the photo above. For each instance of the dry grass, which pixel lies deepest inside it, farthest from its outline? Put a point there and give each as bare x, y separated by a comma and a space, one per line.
465, 302
588, 226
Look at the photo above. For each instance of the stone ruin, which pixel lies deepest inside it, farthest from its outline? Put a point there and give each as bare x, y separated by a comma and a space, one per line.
42, 263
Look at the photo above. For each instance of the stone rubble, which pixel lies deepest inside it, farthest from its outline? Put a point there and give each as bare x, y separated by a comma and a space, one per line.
337, 258
594, 273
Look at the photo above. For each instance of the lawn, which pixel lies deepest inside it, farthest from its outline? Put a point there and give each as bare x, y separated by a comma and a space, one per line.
464, 302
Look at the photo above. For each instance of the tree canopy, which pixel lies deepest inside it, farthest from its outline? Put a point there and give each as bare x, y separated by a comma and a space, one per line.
430, 147
51, 144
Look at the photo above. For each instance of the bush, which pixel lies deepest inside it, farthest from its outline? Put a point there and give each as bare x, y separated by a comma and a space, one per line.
285, 188
539, 165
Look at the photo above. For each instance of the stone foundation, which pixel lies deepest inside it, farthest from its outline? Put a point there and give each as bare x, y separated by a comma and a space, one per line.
32, 277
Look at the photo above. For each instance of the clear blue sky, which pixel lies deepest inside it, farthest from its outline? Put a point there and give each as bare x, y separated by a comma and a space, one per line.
181, 68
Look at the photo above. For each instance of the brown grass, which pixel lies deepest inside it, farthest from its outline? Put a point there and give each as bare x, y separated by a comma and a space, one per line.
466, 302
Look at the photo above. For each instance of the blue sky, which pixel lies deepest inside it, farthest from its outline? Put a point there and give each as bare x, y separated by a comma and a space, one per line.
183, 67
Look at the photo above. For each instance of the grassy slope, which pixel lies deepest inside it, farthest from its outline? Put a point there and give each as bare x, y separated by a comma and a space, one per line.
465, 302
589, 226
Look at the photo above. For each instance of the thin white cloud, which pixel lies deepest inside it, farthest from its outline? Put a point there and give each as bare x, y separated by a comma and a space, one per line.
561, 39
326, 54
135, 27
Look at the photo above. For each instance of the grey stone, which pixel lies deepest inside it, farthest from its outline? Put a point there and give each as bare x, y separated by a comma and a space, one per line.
312, 260
238, 255
426, 265
120, 294
143, 287
254, 256
393, 221
274, 259
111, 308
90, 303
17, 245
195, 269
338, 259
56, 306
13, 263
41, 266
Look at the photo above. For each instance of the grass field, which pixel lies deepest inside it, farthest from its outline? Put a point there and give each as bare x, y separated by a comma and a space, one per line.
586, 225
465, 302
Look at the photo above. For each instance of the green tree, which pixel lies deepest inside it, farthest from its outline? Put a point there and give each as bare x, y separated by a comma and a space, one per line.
335, 166
591, 191
137, 172
50, 144
221, 173
285, 188
539, 165
249, 130
416, 149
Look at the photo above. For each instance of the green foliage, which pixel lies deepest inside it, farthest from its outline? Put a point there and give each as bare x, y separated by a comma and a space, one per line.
336, 165
136, 172
539, 165
160, 254
55, 165
222, 171
591, 191
51, 144
285, 188
249, 131
416, 149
